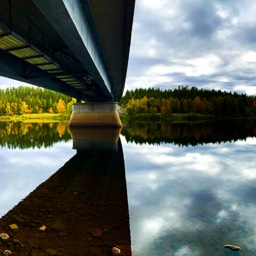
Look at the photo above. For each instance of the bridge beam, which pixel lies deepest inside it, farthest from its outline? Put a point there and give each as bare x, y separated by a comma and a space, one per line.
95, 114
71, 22
14, 68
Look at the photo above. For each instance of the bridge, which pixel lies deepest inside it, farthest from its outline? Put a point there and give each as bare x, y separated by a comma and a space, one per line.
78, 48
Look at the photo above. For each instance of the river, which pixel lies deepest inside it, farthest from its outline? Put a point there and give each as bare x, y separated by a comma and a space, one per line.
191, 187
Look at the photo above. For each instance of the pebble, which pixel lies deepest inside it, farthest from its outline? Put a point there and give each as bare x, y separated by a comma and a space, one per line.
96, 232
51, 251
7, 252
115, 251
232, 247
13, 226
4, 236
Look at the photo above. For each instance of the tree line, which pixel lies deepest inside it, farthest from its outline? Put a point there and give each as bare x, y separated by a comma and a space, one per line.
30, 100
25, 135
188, 100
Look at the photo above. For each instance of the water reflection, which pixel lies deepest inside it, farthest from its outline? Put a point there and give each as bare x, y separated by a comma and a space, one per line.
187, 197
95, 138
32, 135
189, 133
83, 205
192, 200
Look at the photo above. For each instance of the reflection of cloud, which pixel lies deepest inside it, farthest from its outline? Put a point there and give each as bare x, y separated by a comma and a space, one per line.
21, 171
185, 250
203, 205
192, 197
153, 226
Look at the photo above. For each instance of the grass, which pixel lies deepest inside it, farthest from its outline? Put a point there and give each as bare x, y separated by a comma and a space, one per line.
45, 117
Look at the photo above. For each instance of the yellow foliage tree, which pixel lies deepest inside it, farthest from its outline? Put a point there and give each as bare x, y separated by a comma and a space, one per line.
51, 110
38, 109
14, 106
24, 108
61, 106
8, 109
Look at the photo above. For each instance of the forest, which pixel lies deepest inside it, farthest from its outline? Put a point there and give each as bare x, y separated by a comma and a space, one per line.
185, 100
153, 102
30, 100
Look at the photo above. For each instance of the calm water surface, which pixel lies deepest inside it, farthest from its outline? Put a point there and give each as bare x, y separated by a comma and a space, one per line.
191, 188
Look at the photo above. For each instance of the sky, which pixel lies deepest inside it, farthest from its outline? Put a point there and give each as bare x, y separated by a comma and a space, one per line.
208, 44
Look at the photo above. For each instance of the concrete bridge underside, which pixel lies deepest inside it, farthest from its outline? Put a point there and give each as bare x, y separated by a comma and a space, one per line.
78, 48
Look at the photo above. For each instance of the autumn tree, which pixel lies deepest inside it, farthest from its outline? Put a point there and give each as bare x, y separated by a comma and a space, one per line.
61, 106
24, 109
21, 100
189, 100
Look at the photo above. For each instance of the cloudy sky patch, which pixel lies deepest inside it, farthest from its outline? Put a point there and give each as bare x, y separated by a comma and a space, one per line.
208, 44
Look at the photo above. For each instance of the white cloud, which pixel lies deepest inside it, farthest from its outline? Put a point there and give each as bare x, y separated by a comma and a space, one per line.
172, 44
249, 90
7, 83
249, 56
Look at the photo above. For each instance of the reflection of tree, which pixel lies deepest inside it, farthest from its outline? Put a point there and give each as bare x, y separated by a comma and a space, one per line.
31, 135
185, 134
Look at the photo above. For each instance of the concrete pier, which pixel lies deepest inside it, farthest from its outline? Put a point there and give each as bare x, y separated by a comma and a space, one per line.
95, 114
95, 138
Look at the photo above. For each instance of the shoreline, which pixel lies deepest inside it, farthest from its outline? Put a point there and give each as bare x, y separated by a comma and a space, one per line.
45, 117
137, 118
190, 117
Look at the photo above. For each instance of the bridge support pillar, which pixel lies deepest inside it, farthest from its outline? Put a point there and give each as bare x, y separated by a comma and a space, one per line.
95, 114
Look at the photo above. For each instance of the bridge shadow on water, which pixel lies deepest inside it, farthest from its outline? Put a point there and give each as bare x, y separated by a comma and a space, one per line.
83, 206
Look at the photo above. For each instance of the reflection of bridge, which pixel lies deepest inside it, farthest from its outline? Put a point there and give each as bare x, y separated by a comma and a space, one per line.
83, 206
79, 48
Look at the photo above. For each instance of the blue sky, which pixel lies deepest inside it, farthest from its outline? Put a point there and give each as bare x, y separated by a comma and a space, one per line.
208, 44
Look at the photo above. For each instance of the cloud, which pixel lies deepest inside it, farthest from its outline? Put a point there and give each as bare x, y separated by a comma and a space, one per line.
209, 44
203, 18
7, 83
